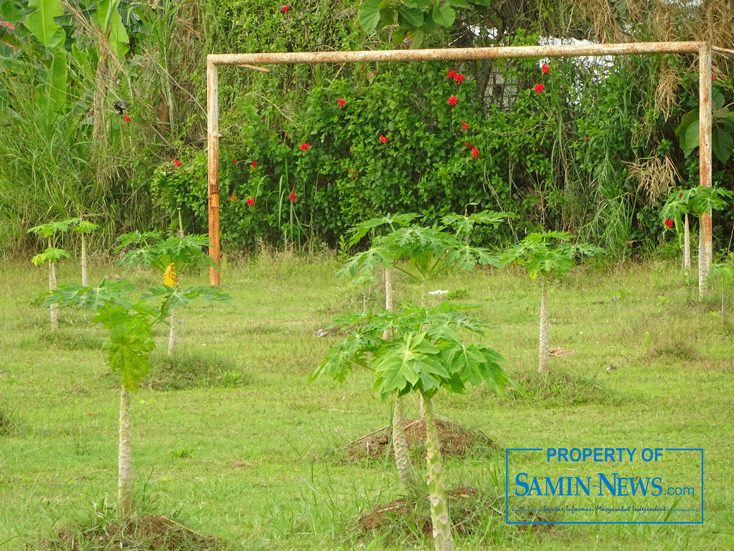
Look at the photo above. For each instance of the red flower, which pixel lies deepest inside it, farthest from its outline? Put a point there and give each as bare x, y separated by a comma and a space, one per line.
669, 223
452, 100
681, 193
292, 197
383, 139
539, 88
475, 152
232, 198
459, 78
285, 8
127, 119
178, 163
451, 73
587, 137
254, 164
341, 102
250, 202
468, 144
545, 68
235, 161
466, 126
305, 146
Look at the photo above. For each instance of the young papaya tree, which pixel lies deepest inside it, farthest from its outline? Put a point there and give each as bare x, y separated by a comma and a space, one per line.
423, 354
548, 255
420, 253
166, 255
51, 256
129, 324
724, 272
84, 227
695, 201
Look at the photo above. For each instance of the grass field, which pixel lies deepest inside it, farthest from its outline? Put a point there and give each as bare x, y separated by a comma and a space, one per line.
231, 441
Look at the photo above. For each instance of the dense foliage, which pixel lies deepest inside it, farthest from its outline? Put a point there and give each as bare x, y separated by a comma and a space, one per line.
110, 125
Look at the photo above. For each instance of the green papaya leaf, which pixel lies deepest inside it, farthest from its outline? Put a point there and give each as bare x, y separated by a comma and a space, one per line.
50, 255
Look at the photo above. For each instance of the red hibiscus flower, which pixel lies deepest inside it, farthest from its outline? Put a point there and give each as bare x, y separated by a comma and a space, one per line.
453, 100
250, 202
178, 163
475, 152
254, 164
233, 198
285, 8
305, 146
293, 197
545, 68
539, 88
451, 73
459, 78
383, 139
341, 102
127, 119
669, 223
466, 126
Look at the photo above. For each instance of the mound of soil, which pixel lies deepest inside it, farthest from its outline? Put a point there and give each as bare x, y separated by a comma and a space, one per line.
468, 508
463, 503
454, 440
152, 533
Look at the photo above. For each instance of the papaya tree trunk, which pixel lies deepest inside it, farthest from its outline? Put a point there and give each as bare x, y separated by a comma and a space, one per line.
125, 456
443, 539
85, 278
543, 340
400, 449
172, 334
52, 287
686, 244
399, 441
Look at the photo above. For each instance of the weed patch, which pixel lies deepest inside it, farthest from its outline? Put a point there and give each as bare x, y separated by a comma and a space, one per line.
8, 425
557, 390
188, 370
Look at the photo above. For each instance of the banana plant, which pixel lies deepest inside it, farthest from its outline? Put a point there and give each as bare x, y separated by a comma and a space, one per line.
423, 354
548, 255
129, 344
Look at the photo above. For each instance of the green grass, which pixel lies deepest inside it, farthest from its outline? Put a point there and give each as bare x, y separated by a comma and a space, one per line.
231, 441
